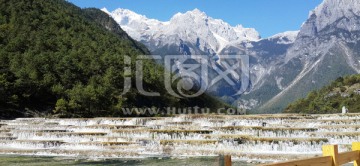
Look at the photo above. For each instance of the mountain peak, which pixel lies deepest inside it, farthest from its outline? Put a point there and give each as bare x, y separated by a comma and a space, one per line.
287, 37
126, 12
105, 10
192, 26
330, 11
288, 34
193, 13
196, 11
332, 7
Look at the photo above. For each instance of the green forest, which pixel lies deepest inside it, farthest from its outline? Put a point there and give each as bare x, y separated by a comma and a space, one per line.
344, 91
57, 59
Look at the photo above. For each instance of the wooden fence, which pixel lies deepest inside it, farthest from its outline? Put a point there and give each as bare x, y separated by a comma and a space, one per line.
331, 157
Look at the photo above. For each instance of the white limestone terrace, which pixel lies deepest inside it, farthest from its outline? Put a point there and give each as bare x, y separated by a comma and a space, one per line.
255, 138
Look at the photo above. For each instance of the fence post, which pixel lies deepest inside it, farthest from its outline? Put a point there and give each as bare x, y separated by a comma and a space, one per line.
356, 147
225, 160
331, 150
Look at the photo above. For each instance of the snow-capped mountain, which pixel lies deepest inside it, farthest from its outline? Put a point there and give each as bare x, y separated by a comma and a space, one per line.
206, 33
137, 26
283, 67
195, 33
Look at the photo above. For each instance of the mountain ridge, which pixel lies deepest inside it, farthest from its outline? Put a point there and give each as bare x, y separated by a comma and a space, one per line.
210, 33
260, 50
330, 33
285, 66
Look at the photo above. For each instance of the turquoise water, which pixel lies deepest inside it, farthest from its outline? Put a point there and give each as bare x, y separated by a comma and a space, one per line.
10, 160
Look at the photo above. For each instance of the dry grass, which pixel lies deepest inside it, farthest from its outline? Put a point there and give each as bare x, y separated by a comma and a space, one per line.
266, 128
340, 127
294, 140
190, 142
142, 130
241, 128
349, 134
173, 131
226, 136
72, 133
180, 123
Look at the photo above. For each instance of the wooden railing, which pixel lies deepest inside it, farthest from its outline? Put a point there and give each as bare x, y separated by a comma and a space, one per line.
331, 157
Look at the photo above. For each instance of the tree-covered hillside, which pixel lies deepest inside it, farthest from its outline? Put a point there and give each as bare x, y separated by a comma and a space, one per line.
58, 59
345, 91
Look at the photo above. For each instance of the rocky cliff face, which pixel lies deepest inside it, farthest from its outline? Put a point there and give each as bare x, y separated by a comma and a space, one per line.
327, 47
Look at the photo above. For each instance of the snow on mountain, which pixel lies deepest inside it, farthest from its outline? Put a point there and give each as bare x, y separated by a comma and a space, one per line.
246, 33
331, 16
284, 66
193, 26
137, 26
285, 37
105, 10
331, 10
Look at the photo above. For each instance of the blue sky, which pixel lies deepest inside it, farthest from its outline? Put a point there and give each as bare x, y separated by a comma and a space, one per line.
268, 17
